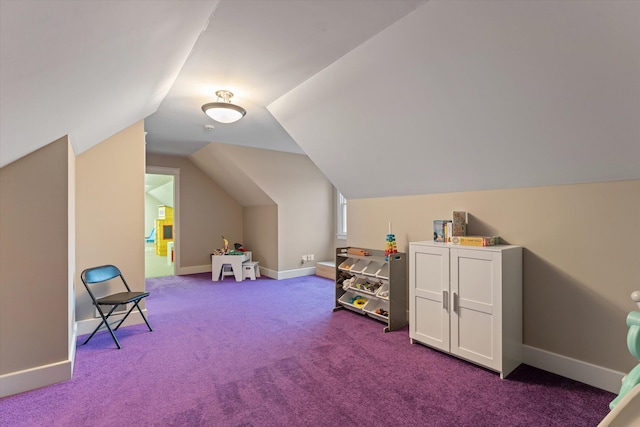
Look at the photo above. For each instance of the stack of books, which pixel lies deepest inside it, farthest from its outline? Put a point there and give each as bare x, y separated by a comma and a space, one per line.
455, 231
445, 229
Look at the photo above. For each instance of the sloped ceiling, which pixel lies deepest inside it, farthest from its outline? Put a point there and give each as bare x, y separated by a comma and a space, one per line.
219, 164
160, 187
259, 50
461, 96
88, 69
386, 97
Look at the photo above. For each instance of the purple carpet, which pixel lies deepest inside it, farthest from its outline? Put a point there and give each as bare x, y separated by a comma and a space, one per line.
272, 353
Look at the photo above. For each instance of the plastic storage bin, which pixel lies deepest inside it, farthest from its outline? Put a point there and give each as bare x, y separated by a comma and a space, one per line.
347, 264
383, 292
377, 309
383, 273
366, 286
352, 300
372, 268
360, 265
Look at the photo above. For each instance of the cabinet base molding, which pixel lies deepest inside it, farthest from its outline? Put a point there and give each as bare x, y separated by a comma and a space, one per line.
568, 367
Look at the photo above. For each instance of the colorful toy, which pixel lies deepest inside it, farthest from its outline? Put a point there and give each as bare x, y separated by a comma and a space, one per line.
632, 379
358, 301
390, 245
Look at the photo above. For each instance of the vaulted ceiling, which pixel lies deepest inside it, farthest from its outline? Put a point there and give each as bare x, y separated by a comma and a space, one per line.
386, 97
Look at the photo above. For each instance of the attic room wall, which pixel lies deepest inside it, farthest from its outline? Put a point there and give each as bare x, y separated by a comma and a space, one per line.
206, 213
110, 213
36, 284
305, 203
580, 256
260, 225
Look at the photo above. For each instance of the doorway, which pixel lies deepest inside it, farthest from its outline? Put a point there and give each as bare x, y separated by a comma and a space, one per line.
160, 222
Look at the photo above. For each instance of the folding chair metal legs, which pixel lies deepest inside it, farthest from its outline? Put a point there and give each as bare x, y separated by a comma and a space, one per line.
141, 314
108, 325
97, 275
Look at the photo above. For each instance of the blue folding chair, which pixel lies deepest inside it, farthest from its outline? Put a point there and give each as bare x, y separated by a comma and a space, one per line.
96, 275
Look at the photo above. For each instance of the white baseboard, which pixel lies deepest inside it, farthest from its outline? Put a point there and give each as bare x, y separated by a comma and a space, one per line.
195, 269
290, 274
29, 379
587, 373
88, 325
278, 275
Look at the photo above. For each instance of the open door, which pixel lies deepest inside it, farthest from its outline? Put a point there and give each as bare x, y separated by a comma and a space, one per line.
160, 222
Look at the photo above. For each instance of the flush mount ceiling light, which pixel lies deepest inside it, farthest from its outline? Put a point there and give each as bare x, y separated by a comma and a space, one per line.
223, 110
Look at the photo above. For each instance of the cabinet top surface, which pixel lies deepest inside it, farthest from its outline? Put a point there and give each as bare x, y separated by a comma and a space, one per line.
495, 248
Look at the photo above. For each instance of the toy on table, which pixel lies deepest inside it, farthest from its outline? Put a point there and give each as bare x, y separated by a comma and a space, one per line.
239, 249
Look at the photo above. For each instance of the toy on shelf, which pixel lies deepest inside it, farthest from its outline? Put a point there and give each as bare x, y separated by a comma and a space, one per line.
390, 245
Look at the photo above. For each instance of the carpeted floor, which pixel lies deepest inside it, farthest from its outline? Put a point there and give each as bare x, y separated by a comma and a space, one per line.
272, 353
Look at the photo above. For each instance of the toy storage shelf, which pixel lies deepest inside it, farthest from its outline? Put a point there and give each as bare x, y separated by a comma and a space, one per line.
380, 282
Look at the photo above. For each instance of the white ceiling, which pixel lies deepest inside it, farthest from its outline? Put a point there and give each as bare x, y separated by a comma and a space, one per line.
160, 187
386, 97
260, 50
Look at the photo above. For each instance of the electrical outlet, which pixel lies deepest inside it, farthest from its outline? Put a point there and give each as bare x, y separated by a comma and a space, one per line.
304, 258
310, 257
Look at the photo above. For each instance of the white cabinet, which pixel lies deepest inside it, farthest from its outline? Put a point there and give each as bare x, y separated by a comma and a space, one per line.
467, 301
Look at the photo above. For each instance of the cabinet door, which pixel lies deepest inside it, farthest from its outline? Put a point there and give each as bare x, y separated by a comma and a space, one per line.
476, 298
429, 296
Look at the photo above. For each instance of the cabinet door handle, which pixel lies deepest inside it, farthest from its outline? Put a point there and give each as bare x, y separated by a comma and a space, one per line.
445, 300
455, 302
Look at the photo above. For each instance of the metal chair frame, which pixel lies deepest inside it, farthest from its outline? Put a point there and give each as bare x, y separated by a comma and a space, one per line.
104, 273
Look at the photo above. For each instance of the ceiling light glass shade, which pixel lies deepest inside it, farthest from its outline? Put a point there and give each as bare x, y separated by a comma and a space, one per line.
224, 111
